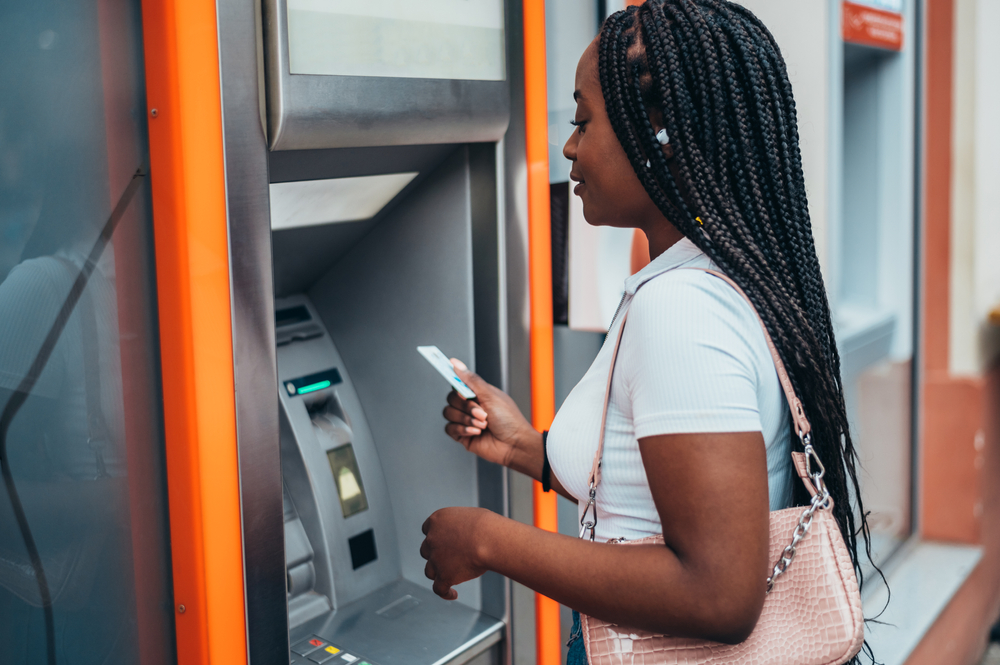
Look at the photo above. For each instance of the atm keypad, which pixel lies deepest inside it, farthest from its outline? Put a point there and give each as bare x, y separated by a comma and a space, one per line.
319, 651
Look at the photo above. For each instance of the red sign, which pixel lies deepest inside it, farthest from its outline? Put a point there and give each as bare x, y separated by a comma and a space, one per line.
873, 27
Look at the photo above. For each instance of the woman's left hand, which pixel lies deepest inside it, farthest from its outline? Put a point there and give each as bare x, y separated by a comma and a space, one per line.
454, 547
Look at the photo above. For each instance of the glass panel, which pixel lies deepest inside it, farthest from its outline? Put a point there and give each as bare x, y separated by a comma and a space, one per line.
431, 39
873, 309
84, 559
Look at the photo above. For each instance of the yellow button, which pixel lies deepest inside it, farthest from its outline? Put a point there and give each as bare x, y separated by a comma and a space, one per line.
332, 649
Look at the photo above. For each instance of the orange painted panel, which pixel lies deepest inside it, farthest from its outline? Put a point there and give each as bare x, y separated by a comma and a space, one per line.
872, 27
639, 257
951, 459
543, 400
959, 634
189, 216
936, 183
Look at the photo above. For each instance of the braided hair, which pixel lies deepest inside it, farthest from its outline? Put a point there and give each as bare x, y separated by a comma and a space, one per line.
731, 180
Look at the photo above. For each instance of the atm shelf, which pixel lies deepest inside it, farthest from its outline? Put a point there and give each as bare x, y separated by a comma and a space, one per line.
405, 624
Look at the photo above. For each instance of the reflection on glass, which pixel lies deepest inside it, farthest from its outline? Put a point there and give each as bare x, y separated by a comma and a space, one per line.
344, 467
873, 306
82, 456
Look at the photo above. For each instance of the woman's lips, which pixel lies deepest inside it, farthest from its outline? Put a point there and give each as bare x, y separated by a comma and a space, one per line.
578, 189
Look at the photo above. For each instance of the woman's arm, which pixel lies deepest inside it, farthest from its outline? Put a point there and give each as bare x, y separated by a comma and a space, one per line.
707, 582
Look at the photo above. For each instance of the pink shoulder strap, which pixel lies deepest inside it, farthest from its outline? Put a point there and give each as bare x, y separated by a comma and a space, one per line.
794, 404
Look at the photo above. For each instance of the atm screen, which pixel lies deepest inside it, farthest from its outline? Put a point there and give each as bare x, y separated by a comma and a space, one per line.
344, 466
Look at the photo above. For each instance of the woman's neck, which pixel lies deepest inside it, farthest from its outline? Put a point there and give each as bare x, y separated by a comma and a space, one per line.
661, 235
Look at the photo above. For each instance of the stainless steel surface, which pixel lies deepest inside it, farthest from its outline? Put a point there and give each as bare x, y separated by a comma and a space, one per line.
520, 646
306, 111
489, 299
427, 270
408, 282
253, 332
317, 423
302, 256
430, 631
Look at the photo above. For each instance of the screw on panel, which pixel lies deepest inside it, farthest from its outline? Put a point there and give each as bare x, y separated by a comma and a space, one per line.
154, 112
181, 609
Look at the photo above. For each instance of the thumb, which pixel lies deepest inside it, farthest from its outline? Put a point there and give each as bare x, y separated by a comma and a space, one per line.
471, 379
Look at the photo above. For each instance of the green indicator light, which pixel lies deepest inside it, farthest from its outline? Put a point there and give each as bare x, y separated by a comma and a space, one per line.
314, 387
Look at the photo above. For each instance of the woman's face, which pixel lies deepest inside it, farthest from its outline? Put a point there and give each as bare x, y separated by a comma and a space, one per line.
612, 194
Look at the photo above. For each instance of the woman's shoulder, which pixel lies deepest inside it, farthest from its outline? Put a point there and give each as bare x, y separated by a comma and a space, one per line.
693, 292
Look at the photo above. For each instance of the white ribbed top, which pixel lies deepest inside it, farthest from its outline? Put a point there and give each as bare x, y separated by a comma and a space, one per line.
693, 359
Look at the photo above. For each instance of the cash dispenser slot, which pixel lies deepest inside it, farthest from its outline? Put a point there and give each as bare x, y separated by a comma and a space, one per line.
348, 600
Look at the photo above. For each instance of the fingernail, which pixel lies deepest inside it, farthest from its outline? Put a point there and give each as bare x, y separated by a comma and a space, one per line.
459, 364
479, 414
481, 424
473, 430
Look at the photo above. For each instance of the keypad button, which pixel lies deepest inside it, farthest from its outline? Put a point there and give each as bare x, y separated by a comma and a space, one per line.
306, 647
324, 655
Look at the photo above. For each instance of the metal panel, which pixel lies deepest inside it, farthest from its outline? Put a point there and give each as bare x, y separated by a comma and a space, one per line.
301, 256
521, 636
253, 332
307, 111
426, 629
489, 307
307, 473
407, 283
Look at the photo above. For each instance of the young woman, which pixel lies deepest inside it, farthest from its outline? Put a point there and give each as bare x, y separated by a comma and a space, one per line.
686, 129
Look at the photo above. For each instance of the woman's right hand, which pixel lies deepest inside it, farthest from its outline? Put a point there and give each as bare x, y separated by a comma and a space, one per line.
491, 426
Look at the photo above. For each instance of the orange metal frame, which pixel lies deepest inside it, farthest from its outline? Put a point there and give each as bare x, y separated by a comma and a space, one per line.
192, 268
543, 400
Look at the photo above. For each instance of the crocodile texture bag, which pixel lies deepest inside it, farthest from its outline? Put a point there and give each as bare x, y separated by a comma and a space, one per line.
812, 611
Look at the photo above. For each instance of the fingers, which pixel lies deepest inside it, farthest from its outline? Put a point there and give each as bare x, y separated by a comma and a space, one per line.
466, 411
466, 406
429, 571
445, 591
454, 415
472, 379
461, 433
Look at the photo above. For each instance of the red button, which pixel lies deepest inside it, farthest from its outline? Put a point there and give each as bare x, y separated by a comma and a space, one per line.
316, 642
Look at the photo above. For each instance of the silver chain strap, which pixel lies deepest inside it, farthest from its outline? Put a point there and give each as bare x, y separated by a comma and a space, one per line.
586, 524
820, 501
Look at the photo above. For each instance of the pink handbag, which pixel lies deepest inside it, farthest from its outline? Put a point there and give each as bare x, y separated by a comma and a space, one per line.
812, 614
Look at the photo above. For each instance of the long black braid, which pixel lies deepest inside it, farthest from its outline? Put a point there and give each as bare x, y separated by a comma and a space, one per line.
711, 74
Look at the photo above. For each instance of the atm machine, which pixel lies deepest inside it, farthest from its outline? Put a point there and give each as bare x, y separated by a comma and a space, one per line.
383, 193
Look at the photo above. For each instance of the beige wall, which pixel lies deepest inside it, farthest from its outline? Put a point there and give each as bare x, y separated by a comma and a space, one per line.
975, 229
802, 30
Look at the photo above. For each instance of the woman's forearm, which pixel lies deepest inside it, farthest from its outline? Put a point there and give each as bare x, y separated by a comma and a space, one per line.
641, 586
528, 458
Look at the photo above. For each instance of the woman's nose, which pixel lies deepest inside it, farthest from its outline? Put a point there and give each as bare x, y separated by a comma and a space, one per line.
569, 149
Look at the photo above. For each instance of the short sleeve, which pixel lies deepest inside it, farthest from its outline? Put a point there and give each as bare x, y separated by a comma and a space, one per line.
688, 357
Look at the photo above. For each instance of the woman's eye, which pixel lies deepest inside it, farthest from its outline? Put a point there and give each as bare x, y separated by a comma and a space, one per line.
579, 124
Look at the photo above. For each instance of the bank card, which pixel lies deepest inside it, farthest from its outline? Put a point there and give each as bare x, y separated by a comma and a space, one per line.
441, 363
